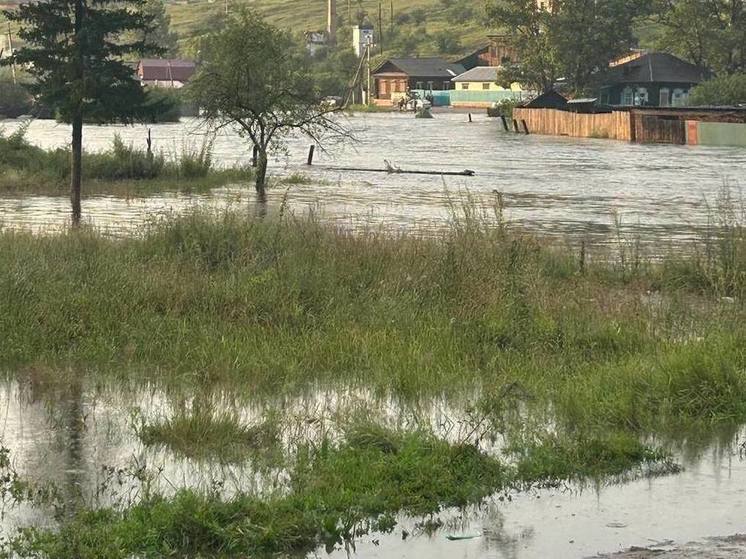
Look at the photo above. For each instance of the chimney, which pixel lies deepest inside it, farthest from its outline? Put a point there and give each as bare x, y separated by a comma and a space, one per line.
331, 22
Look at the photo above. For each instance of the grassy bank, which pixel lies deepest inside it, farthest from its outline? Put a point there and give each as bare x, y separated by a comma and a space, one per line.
120, 170
575, 366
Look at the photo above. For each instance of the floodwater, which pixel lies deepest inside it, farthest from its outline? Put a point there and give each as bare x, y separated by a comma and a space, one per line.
556, 186
83, 440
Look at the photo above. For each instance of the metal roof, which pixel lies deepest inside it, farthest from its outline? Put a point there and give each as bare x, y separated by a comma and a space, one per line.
478, 74
656, 67
431, 67
164, 69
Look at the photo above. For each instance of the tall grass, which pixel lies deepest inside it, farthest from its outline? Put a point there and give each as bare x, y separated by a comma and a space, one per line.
280, 305
25, 167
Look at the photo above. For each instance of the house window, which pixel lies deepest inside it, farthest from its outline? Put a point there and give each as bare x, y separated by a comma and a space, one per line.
680, 97
628, 97
485, 85
430, 85
418, 85
641, 96
665, 97
446, 86
464, 85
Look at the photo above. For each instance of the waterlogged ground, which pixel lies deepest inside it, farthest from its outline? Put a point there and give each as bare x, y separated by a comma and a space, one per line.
558, 186
84, 442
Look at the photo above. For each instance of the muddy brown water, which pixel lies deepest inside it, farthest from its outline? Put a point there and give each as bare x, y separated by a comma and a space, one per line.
557, 186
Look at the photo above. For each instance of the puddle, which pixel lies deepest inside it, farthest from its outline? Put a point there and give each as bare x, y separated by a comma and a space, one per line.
74, 438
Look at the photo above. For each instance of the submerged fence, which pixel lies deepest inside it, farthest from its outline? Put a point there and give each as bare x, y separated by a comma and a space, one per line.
615, 125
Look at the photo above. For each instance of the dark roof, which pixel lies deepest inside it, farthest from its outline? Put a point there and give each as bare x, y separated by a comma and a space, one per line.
478, 74
656, 67
166, 69
549, 100
433, 67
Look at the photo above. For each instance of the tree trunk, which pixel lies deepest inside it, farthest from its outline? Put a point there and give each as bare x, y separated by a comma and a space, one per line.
261, 171
76, 167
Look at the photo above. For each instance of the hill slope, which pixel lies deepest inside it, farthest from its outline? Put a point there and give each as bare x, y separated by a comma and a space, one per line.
425, 27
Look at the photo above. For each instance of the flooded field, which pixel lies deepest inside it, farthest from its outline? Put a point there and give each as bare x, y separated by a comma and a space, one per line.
83, 440
123, 357
557, 186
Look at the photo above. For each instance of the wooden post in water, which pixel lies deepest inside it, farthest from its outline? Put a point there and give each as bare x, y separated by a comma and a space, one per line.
525, 126
515, 126
505, 123
582, 256
311, 148
149, 141
469, 117
254, 156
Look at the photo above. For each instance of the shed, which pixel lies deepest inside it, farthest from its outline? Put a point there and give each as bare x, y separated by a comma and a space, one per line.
547, 100
165, 72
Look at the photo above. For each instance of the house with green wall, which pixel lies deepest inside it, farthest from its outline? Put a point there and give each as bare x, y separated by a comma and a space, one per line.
650, 80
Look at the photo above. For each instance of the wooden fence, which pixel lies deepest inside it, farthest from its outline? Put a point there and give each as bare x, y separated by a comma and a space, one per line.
615, 125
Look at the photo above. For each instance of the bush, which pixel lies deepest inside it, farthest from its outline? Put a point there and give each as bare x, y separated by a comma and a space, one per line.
723, 90
14, 99
123, 161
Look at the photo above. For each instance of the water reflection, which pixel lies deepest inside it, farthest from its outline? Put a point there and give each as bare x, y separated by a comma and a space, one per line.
83, 439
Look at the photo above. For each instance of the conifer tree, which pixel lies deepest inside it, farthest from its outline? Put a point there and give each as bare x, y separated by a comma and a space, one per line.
75, 50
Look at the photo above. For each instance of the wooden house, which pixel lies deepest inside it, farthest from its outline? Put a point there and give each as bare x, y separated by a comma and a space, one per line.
652, 80
395, 76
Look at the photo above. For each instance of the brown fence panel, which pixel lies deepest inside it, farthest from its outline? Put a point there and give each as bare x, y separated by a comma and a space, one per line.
614, 125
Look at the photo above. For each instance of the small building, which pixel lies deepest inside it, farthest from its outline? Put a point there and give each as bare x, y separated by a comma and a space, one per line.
164, 72
395, 76
478, 87
315, 41
499, 51
651, 79
362, 37
548, 100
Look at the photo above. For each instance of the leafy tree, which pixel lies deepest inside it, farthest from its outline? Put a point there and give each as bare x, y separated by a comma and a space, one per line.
160, 33
74, 50
575, 40
14, 98
255, 78
722, 90
710, 33
447, 42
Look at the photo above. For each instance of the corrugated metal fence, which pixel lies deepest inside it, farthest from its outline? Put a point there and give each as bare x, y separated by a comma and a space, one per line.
614, 125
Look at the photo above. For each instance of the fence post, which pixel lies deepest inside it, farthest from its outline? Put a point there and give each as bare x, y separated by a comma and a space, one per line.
311, 148
525, 126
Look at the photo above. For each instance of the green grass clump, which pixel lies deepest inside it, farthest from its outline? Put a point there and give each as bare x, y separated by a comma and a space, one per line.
336, 491
25, 168
210, 434
551, 459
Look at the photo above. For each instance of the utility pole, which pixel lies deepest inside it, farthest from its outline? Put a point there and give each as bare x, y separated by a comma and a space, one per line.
380, 25
10, 52
367, 96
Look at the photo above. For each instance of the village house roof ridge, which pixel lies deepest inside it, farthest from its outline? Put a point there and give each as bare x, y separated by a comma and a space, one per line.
478, 74
657, 67
427, 66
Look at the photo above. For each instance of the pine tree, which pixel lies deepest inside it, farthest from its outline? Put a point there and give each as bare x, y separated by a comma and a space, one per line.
74, 49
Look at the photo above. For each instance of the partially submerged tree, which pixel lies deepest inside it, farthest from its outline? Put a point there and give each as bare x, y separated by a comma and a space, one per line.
253, 77
74, 50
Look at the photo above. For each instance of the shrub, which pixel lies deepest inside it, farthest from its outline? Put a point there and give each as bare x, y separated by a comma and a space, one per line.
723, 90
14, 99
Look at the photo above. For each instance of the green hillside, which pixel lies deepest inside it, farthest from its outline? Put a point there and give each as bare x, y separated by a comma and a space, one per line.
425, 27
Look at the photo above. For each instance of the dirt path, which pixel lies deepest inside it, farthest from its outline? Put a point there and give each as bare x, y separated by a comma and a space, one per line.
730, 547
